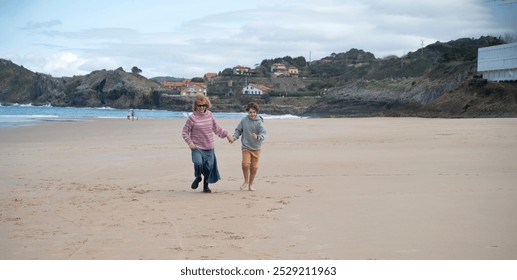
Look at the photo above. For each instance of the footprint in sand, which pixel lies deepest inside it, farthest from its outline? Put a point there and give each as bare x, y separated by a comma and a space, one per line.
283, 201
235, 237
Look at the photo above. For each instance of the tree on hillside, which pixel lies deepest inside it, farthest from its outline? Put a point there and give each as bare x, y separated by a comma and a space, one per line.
227, 72
136, 70
298, 62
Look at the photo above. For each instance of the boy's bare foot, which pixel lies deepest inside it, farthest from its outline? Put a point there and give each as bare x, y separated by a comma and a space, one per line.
244, 186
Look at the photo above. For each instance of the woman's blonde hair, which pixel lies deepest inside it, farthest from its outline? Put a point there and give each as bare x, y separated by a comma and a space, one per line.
201, 99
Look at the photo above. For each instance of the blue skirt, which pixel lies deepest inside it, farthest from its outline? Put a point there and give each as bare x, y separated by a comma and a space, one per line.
205, 163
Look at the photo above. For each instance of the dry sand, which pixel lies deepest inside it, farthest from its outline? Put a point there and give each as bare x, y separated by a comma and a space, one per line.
366, 188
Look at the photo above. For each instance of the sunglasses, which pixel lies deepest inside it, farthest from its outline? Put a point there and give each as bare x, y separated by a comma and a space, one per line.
202, 105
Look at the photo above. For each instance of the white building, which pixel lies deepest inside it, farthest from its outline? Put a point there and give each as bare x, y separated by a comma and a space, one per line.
251, 89
498, 63
255, 89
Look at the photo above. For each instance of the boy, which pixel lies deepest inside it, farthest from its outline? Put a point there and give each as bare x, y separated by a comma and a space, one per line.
253, 132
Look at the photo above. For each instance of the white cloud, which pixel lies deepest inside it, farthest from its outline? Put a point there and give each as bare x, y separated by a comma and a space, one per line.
62, 63
181, 39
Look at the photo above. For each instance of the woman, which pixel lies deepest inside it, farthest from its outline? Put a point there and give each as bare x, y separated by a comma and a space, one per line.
198, 133
253, 132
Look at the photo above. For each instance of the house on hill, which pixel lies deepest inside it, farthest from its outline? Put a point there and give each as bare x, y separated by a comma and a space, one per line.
255, 89
194, 88
178, 86
241, 70
209, 76
186, 87
293, 71
498, 63
280, 70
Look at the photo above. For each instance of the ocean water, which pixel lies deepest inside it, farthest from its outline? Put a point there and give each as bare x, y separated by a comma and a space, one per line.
23, 115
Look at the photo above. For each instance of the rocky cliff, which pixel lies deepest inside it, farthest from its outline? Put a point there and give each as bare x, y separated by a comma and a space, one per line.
463, 94
103, 88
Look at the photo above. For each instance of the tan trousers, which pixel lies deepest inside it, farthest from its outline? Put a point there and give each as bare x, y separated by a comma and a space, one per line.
250, 161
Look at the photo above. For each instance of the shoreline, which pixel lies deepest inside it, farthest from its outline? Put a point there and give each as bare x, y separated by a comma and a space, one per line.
23, 115
351, 188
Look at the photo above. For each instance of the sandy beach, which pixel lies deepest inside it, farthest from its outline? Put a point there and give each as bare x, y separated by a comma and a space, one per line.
365, 188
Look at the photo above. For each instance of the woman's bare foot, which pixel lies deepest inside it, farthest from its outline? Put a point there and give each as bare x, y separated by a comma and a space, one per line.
250, 188
244, 186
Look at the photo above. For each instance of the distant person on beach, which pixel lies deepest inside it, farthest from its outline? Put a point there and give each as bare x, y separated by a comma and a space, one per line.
198, 134
131, 114
253, 132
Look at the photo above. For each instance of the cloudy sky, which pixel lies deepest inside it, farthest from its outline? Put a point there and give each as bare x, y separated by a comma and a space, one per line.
190, 38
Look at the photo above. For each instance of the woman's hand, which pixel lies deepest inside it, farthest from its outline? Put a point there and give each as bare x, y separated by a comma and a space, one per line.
192, 146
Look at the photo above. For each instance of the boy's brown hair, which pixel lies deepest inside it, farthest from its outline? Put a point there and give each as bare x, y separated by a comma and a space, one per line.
252, 105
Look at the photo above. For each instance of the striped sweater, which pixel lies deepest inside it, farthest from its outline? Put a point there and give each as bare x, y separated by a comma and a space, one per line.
198, 130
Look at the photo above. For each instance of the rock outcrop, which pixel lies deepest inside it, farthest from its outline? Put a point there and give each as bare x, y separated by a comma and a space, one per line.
103, 88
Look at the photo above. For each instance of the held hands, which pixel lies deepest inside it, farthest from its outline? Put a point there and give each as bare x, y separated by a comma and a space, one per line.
231, 139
